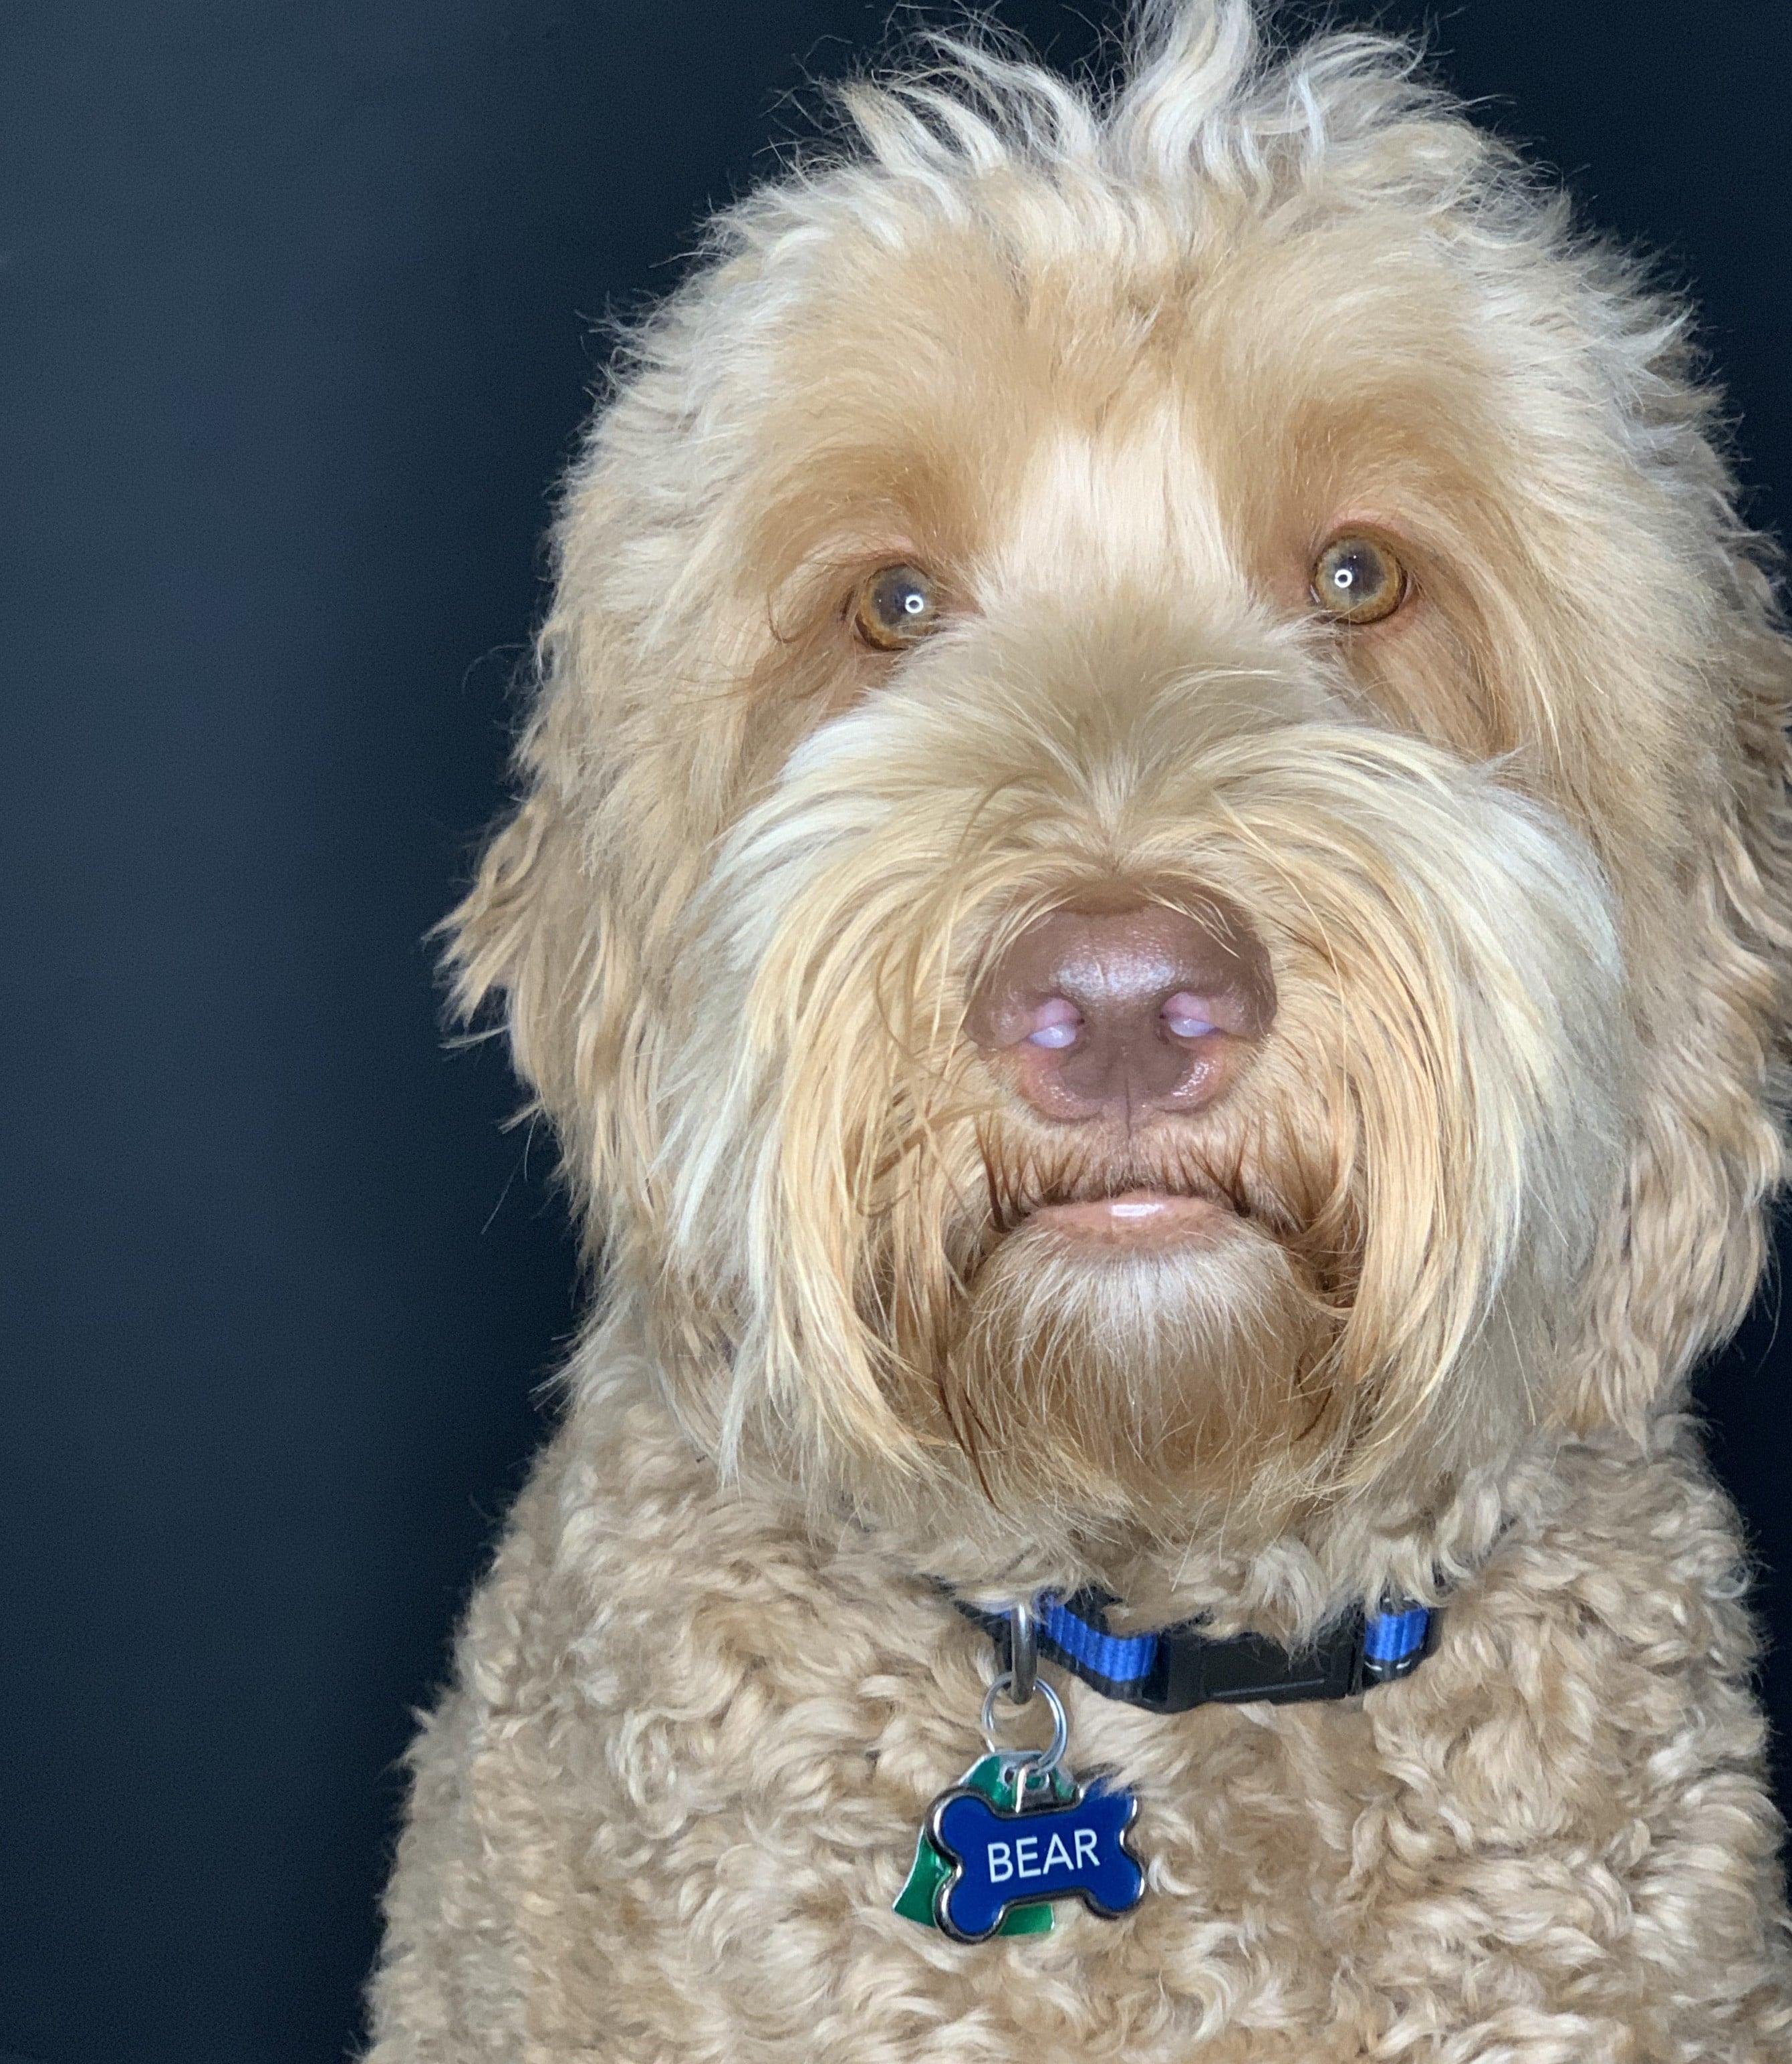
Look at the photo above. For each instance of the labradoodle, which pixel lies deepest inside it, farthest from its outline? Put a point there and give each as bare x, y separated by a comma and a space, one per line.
1149, 895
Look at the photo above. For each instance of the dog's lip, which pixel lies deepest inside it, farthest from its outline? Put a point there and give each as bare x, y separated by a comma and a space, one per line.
1136, 1218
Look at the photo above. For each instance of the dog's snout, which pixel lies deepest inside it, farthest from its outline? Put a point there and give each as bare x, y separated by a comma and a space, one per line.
1117, 1010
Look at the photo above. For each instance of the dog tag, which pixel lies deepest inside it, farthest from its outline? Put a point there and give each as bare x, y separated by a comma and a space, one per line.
1004, 1862
1017, 1831
995, 1778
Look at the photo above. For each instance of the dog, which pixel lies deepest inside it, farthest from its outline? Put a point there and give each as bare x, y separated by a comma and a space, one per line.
1149, 893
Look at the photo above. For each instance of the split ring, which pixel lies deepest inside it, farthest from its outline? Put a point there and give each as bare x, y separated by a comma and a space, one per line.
1040, 1763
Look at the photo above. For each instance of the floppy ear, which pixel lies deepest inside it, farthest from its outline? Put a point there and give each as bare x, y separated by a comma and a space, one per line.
1679, 1261
539, 930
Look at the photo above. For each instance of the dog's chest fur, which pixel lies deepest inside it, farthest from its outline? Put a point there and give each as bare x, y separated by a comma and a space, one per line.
666, 1811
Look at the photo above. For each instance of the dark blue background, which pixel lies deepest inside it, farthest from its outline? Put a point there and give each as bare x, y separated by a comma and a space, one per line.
296, 300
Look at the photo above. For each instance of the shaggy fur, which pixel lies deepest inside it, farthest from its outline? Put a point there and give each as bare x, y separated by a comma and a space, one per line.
1112, 371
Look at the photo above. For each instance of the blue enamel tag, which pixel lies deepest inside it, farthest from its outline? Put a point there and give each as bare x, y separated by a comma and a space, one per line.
1000, 1860
1017, 1833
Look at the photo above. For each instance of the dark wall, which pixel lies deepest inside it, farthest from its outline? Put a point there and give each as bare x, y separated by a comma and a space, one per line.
296, 304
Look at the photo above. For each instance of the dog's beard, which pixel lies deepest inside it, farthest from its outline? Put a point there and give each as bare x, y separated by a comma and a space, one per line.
1120, 1369
1114, 1382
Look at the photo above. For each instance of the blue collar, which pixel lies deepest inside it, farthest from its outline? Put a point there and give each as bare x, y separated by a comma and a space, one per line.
1182, 1667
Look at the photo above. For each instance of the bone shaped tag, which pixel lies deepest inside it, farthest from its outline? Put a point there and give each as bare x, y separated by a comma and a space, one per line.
1001, 1860
999, 1777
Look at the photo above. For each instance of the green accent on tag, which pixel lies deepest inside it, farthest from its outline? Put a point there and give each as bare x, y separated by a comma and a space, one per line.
930, 1870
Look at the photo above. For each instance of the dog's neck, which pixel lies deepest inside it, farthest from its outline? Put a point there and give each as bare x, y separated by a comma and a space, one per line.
1285, 1586
941, 1527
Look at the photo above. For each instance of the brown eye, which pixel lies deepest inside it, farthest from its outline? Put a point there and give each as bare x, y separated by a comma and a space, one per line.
1358, 581
896, 607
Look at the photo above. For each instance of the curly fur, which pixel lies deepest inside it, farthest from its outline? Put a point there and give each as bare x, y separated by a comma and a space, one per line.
1112, 368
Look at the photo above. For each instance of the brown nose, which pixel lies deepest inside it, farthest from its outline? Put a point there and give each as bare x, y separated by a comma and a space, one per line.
1116, 1011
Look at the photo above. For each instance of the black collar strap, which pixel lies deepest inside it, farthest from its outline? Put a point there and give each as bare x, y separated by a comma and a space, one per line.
1180, 1666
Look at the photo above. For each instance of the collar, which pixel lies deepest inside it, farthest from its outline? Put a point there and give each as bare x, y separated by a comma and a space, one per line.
1179, 1667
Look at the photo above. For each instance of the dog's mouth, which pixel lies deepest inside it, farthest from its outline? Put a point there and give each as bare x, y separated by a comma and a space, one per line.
1143, 1198
1137, 1219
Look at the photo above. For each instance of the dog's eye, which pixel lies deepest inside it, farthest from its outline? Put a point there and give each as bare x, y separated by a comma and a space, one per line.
895, 606
1358, 581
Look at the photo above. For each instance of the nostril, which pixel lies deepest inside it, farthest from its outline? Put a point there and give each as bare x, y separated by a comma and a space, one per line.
1055, 1024
1188, 1017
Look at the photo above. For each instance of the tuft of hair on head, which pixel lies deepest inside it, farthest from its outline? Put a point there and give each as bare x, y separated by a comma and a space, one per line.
1203, 100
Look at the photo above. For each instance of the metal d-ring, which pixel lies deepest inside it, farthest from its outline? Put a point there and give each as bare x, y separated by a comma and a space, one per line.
1023, 1650
1040, 1763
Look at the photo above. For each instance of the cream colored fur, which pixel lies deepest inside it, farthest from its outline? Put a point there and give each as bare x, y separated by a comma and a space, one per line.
1113, 374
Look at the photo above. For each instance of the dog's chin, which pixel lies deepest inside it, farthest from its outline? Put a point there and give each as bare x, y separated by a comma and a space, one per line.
1137, 1353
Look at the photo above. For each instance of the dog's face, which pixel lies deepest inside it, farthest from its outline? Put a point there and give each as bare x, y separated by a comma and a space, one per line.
1149, 870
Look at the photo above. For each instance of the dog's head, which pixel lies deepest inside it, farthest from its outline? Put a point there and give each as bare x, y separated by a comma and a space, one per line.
1154, 838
